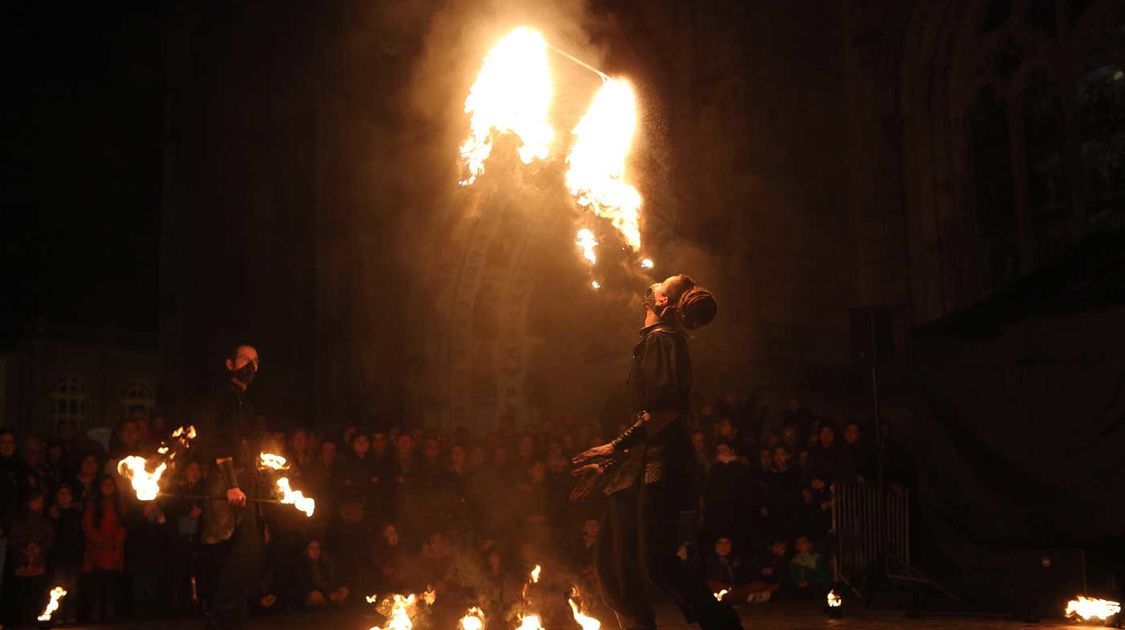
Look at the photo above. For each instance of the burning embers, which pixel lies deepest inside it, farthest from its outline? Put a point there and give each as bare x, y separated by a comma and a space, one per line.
57, 594
289, 496
1089, 608
401, 611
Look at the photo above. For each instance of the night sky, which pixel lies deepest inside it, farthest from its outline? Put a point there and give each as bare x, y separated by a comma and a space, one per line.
80, 164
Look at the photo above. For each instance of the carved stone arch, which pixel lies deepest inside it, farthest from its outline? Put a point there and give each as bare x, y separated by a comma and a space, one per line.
483, 346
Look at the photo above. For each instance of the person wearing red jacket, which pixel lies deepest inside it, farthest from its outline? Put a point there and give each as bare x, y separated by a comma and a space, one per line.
104, 559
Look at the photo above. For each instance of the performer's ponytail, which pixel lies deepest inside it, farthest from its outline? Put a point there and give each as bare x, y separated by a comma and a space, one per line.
694, 307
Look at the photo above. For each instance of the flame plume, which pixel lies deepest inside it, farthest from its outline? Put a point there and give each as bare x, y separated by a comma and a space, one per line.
57, 594
145, 484
473, 620
512, 94
596, 174
1087, 608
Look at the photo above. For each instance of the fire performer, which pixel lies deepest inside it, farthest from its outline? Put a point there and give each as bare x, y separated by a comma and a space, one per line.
230, 524
647, 470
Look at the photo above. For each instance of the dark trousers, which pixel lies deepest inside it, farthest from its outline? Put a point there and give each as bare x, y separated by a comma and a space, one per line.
638, 539
233, 574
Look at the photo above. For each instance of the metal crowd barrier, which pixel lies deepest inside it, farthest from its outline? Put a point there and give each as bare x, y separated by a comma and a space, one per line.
870, 524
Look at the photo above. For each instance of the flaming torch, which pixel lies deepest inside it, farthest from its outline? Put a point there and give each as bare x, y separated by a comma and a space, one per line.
1087, 608
721, 594
596, 173
289, 496
834, 605
146, 484
57, 594
512, 94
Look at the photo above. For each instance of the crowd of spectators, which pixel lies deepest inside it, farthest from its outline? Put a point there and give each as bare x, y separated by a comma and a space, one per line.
400, 509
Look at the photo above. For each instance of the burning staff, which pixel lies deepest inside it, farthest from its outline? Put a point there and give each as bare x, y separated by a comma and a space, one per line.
649, 483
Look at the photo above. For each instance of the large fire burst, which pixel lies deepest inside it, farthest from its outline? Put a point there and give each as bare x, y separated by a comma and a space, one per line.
512, 95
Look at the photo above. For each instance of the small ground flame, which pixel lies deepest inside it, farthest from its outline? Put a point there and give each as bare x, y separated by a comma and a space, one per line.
596, 164
1087, 608
512, 94
530, 622
585, 621
834, 600
400, 610
145, 484
473, 620
57, 594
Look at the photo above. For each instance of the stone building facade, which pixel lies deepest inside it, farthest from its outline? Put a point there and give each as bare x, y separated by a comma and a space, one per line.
82, 377
802, 159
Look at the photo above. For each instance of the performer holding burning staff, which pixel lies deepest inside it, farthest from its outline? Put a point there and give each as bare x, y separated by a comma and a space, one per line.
230, 523
647, 470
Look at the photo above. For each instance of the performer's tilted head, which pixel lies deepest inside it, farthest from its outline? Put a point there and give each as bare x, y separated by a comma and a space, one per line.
680, 302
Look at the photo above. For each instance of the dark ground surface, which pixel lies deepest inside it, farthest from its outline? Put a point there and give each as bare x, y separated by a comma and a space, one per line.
780, 616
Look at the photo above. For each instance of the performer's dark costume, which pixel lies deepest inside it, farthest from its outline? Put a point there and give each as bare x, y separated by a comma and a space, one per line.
230, 534
648, 487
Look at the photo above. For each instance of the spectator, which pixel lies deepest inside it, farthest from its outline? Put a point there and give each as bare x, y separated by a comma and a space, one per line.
86, 478
29, 546
318, 581
767, 572
808, 571
723, 571
827, 458
387, 558
184, 515
724, 507
66, 552
104, 556
861, 453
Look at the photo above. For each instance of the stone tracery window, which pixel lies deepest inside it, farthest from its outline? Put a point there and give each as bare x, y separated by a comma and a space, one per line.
68, 402
1045, 135
138, 397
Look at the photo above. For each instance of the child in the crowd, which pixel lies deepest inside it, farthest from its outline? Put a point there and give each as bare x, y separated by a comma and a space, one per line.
318, 580
767, 573
723, 571
808, 571
104, 557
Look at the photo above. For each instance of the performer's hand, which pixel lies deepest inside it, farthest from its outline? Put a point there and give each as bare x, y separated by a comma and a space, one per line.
589, 469
236, 497
591, 473
605, 450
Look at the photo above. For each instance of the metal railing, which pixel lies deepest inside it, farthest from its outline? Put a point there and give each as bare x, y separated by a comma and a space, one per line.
870, 523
